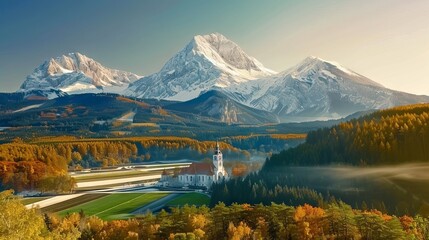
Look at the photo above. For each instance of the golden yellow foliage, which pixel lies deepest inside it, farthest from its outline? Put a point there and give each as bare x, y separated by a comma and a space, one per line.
140, 104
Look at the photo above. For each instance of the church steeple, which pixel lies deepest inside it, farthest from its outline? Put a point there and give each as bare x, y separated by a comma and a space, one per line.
218, 163
217, 157
217, 150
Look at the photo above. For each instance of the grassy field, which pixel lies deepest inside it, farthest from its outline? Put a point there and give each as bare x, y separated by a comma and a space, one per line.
115, 206
197, 199
30, 200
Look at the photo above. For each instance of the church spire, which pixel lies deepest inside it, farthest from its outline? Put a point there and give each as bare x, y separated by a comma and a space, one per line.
217, 149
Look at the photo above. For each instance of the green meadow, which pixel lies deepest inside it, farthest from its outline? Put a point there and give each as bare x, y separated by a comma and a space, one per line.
115, 206
197, 199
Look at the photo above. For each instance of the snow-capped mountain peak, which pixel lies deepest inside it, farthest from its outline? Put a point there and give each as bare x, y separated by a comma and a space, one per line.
313, 89
76, 73
317, 88
226, 53
312, 65
206, 62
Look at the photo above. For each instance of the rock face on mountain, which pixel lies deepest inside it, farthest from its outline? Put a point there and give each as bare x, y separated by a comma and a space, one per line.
216, 105
207, 62
318, 89
76, 73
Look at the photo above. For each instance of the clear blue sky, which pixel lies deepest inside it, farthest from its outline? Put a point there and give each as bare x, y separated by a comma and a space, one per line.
385, 40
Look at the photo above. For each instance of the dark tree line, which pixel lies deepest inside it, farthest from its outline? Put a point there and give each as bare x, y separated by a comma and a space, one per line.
256, 188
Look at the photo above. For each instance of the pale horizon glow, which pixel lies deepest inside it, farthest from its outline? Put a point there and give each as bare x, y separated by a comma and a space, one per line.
386, 41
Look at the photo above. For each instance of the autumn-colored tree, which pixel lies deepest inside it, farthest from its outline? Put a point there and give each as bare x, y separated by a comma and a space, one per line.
147, 156
17, 222
239, 170
240, 232
308, 221
76, 156
57, 183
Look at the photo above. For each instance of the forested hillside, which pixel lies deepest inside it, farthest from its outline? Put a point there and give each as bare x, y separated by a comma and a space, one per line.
394, 136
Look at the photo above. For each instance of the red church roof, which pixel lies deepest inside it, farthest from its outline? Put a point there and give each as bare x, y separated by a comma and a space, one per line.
198, 169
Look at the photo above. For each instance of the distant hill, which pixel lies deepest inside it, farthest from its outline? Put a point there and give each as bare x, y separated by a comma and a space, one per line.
72, 112
218, 106
393, 136
102, 115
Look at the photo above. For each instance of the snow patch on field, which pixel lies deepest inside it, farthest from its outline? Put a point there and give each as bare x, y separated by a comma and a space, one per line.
117, 181
53, 200
128, 117
28, 107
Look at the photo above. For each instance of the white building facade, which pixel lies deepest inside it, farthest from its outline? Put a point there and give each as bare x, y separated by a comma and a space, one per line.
198, 174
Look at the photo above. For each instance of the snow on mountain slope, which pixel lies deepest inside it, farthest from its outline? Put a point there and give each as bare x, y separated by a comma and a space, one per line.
77, 73
318, 89
207, 62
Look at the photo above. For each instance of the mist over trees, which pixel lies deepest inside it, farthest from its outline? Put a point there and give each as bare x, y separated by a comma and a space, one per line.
389, 137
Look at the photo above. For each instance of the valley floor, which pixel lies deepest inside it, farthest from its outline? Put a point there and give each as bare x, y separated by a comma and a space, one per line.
119, 193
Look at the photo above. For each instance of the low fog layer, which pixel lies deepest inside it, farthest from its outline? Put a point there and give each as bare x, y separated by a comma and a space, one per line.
406, 172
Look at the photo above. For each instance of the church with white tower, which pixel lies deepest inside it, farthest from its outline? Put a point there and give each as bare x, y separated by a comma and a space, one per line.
197, 174
219, 170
